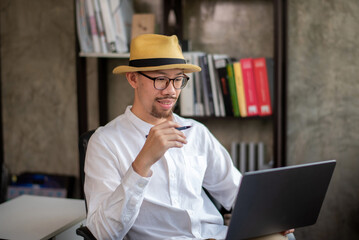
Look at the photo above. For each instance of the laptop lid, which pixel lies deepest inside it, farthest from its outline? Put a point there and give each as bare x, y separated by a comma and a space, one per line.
274, 200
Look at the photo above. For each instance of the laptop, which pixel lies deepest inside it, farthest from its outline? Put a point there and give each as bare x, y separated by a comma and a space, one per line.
274, 200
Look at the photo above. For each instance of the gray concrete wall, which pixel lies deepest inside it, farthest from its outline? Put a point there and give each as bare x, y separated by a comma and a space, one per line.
39, 86
323, 106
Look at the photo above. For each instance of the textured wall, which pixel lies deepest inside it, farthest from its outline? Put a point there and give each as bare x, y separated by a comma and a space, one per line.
39, 86
237, 28
323, 106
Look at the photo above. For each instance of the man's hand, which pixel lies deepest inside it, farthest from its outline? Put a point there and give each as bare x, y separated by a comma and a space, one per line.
160, 138
287, 232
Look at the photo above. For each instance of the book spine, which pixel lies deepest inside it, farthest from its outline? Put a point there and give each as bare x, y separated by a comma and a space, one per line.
92, 20
83, 28
262, 86
251, 156
213, 86
240, 89
198, 96
223, 85
232, 90
207, 91
249, 86
187, 94
243, 157
108, 24
100, 28
234, 154
119, 26
260, 156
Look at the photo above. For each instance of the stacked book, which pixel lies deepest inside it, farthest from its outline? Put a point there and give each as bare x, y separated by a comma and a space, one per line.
104, 26
228, 87
249, 156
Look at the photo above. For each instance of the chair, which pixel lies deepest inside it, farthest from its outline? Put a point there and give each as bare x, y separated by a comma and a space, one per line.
83, 141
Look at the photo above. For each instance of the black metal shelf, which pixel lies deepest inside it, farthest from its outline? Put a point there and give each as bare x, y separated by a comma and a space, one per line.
279, 105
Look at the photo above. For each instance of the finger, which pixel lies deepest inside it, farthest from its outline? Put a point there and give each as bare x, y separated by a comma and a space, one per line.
173, 136
287, 232
169, 133
163, 127
167, 124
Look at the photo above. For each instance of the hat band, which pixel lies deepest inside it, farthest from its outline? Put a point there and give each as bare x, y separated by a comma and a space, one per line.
153, 62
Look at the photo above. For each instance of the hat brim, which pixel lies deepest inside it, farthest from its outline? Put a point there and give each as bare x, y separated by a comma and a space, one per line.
187, 68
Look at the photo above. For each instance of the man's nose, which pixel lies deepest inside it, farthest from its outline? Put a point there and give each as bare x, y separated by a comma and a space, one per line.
170, 89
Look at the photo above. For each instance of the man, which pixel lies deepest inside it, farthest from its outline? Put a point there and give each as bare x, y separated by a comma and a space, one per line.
144, 175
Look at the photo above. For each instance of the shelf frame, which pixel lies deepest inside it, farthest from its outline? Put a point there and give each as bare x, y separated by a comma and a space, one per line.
280, 74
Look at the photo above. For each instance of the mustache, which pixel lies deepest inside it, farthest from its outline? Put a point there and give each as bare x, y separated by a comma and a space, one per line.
166, 97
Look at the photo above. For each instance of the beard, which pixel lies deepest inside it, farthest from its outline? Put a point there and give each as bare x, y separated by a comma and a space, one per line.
163, 114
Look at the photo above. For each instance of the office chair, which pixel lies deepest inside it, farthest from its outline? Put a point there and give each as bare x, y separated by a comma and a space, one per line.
83, 141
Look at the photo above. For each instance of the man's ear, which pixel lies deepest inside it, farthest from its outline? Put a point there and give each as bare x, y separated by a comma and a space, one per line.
132, 79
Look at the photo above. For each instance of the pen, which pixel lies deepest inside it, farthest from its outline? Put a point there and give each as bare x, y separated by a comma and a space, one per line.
180, 128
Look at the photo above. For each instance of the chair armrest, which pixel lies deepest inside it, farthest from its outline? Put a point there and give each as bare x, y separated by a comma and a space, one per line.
84, 232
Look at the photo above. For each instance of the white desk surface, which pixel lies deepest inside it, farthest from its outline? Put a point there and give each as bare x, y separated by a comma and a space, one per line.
35, 217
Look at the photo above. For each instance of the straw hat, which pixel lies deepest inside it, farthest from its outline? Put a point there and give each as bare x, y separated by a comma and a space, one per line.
150, 52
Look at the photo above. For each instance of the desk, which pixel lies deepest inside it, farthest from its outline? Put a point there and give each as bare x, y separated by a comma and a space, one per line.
35, 217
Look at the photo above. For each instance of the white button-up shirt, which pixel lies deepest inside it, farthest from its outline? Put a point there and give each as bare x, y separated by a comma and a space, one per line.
169, 204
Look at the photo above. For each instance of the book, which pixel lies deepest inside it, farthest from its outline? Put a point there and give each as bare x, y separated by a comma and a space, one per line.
252, 158
83, 27
240, 88
198, 96
206, 86
108, 25
213, 86
187, 94
216, 58
100, 28
243, 157
233, 90
235, 153
260, 155
119, 26
249, 86
220, 64
262, 86
93, 25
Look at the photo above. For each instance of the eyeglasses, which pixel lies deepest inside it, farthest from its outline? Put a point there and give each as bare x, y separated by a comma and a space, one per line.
162, 82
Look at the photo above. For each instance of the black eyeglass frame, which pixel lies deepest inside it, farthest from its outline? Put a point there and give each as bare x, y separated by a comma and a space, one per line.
184, 82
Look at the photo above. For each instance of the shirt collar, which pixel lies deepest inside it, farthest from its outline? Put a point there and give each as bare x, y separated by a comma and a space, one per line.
138, 123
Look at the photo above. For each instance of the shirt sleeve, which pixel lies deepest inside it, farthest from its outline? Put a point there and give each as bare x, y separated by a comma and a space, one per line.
113, 201
221, 179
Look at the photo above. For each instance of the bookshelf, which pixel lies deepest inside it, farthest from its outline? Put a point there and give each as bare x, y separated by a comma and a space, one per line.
277, 120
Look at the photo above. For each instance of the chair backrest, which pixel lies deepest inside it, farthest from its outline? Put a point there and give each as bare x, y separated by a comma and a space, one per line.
83, 141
